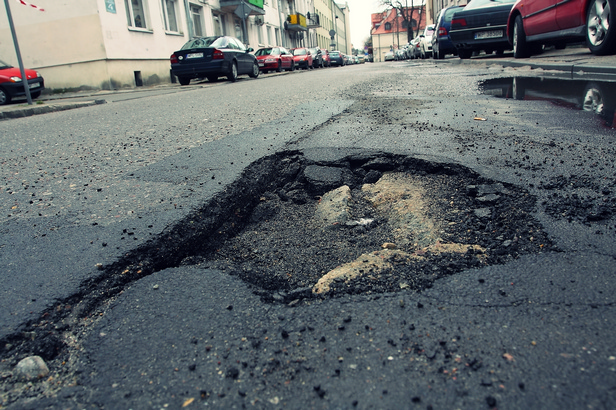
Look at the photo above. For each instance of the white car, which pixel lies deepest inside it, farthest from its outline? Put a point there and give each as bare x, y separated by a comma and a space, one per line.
426, 42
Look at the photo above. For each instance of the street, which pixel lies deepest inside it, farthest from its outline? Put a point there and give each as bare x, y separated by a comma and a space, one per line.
158, 251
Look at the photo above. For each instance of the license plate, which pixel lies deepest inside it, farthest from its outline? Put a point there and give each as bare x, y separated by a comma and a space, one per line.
261, 64
34, 85
489, 34
194, 55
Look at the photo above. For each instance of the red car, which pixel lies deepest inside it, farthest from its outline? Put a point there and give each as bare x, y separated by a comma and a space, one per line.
11, 85
533, 23
302, 58
327, 61
274, 58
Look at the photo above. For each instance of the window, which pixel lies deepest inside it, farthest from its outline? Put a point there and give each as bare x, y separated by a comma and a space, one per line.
135, 13
195, 14
260, 34
219, 24
388, 26
171, 21
238, 28
269, 35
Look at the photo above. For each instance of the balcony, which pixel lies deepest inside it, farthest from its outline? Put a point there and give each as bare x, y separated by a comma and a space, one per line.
243, 8
312, 20
296, 22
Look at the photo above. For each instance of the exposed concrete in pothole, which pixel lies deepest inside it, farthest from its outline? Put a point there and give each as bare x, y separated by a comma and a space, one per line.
400, 198
375, 263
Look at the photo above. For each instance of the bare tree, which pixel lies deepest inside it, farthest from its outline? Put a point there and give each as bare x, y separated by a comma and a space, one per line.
407, 11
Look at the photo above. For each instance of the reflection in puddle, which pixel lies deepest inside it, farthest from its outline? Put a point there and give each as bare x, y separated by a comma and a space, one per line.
588, 95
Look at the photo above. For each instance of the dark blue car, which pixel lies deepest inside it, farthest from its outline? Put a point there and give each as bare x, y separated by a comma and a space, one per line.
213, 57
441, 42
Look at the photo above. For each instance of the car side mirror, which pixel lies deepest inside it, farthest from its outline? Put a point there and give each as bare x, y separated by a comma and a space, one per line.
250, 50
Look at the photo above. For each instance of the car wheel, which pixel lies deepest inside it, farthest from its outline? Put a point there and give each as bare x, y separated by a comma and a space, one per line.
292, 66
600, 35
279, 69
255, 70
184, 80
465, 54
520, 48
232, 76
5, 98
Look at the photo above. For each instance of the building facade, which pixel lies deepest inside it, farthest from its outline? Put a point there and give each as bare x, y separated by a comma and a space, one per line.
390, 30
111, 44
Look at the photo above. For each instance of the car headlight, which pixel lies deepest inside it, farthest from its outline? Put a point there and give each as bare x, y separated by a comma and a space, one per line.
15, 79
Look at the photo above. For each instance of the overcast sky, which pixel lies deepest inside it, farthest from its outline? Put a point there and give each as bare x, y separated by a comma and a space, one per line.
360, 11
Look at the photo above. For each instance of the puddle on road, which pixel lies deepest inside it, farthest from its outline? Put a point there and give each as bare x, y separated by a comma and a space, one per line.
598, 97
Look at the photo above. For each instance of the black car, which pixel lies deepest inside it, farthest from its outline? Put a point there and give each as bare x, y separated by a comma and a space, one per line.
337, 58
317, 57
481, 25
213, 57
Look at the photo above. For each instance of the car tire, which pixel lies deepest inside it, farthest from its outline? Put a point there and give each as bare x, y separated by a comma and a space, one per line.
465, 54
255, 70
5, 98
279, 69
232, 76
600, 34
520, 47
292, 66
184, 80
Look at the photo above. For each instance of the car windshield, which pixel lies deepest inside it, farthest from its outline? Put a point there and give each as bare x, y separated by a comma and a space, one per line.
4, 65
334, 54
299, 52
473, 4
205, 42
264, 52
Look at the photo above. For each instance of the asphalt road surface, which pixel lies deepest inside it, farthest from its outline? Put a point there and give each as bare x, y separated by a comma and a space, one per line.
104, 206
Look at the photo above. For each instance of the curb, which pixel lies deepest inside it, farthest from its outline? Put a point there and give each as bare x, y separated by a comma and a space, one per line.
571, 69
28, 111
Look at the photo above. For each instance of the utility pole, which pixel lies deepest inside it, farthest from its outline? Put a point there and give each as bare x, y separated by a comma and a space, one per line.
24, 79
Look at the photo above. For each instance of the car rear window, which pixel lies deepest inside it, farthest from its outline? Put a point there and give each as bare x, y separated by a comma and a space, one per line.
334, 54
205, 42
299, 52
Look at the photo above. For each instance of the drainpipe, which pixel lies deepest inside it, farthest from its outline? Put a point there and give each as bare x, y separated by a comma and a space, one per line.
189, 24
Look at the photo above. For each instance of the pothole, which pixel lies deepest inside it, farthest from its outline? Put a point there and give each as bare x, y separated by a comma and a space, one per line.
296, 228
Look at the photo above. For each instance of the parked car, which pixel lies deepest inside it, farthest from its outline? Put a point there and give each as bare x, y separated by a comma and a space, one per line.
302, 58
400, 54
534, 23
481, 25
426, 41
11, 83
415, 46
317, 57
274, 58
390, 56
213, 57
441, 42
337, 58
362, 59
327, 62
